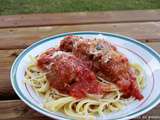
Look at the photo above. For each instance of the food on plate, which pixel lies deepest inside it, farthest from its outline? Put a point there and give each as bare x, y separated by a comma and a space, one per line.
84, 78
104, 59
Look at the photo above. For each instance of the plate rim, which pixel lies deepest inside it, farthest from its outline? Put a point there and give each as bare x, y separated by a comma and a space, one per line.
49, 114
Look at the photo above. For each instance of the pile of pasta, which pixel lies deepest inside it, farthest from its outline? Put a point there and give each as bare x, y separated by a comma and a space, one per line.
86, 108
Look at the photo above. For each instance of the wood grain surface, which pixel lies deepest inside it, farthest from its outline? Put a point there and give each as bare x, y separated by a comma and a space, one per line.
23, 37
79, 18
18, 110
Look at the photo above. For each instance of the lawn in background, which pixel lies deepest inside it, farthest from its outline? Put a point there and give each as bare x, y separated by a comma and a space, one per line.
10, 7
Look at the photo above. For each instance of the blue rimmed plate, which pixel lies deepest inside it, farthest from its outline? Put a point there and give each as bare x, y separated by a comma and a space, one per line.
135, 51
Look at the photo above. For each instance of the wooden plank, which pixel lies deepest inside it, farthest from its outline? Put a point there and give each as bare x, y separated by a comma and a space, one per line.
22, 37
7, 58
17, 110
79, 18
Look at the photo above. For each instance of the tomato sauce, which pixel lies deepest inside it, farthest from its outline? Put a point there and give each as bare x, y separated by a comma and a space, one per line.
69, 75
114, 68
72, 68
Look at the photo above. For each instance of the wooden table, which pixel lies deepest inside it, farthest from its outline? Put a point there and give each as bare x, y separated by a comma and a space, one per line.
19, 31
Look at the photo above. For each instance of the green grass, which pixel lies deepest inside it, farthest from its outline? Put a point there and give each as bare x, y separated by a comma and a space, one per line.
10, 7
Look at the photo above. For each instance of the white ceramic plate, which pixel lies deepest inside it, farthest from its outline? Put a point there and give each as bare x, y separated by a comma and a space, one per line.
135, 51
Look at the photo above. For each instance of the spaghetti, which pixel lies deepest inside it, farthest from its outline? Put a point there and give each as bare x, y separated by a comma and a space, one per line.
83, 108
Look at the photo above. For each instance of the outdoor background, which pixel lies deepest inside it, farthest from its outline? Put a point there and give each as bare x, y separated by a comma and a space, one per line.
12, 7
